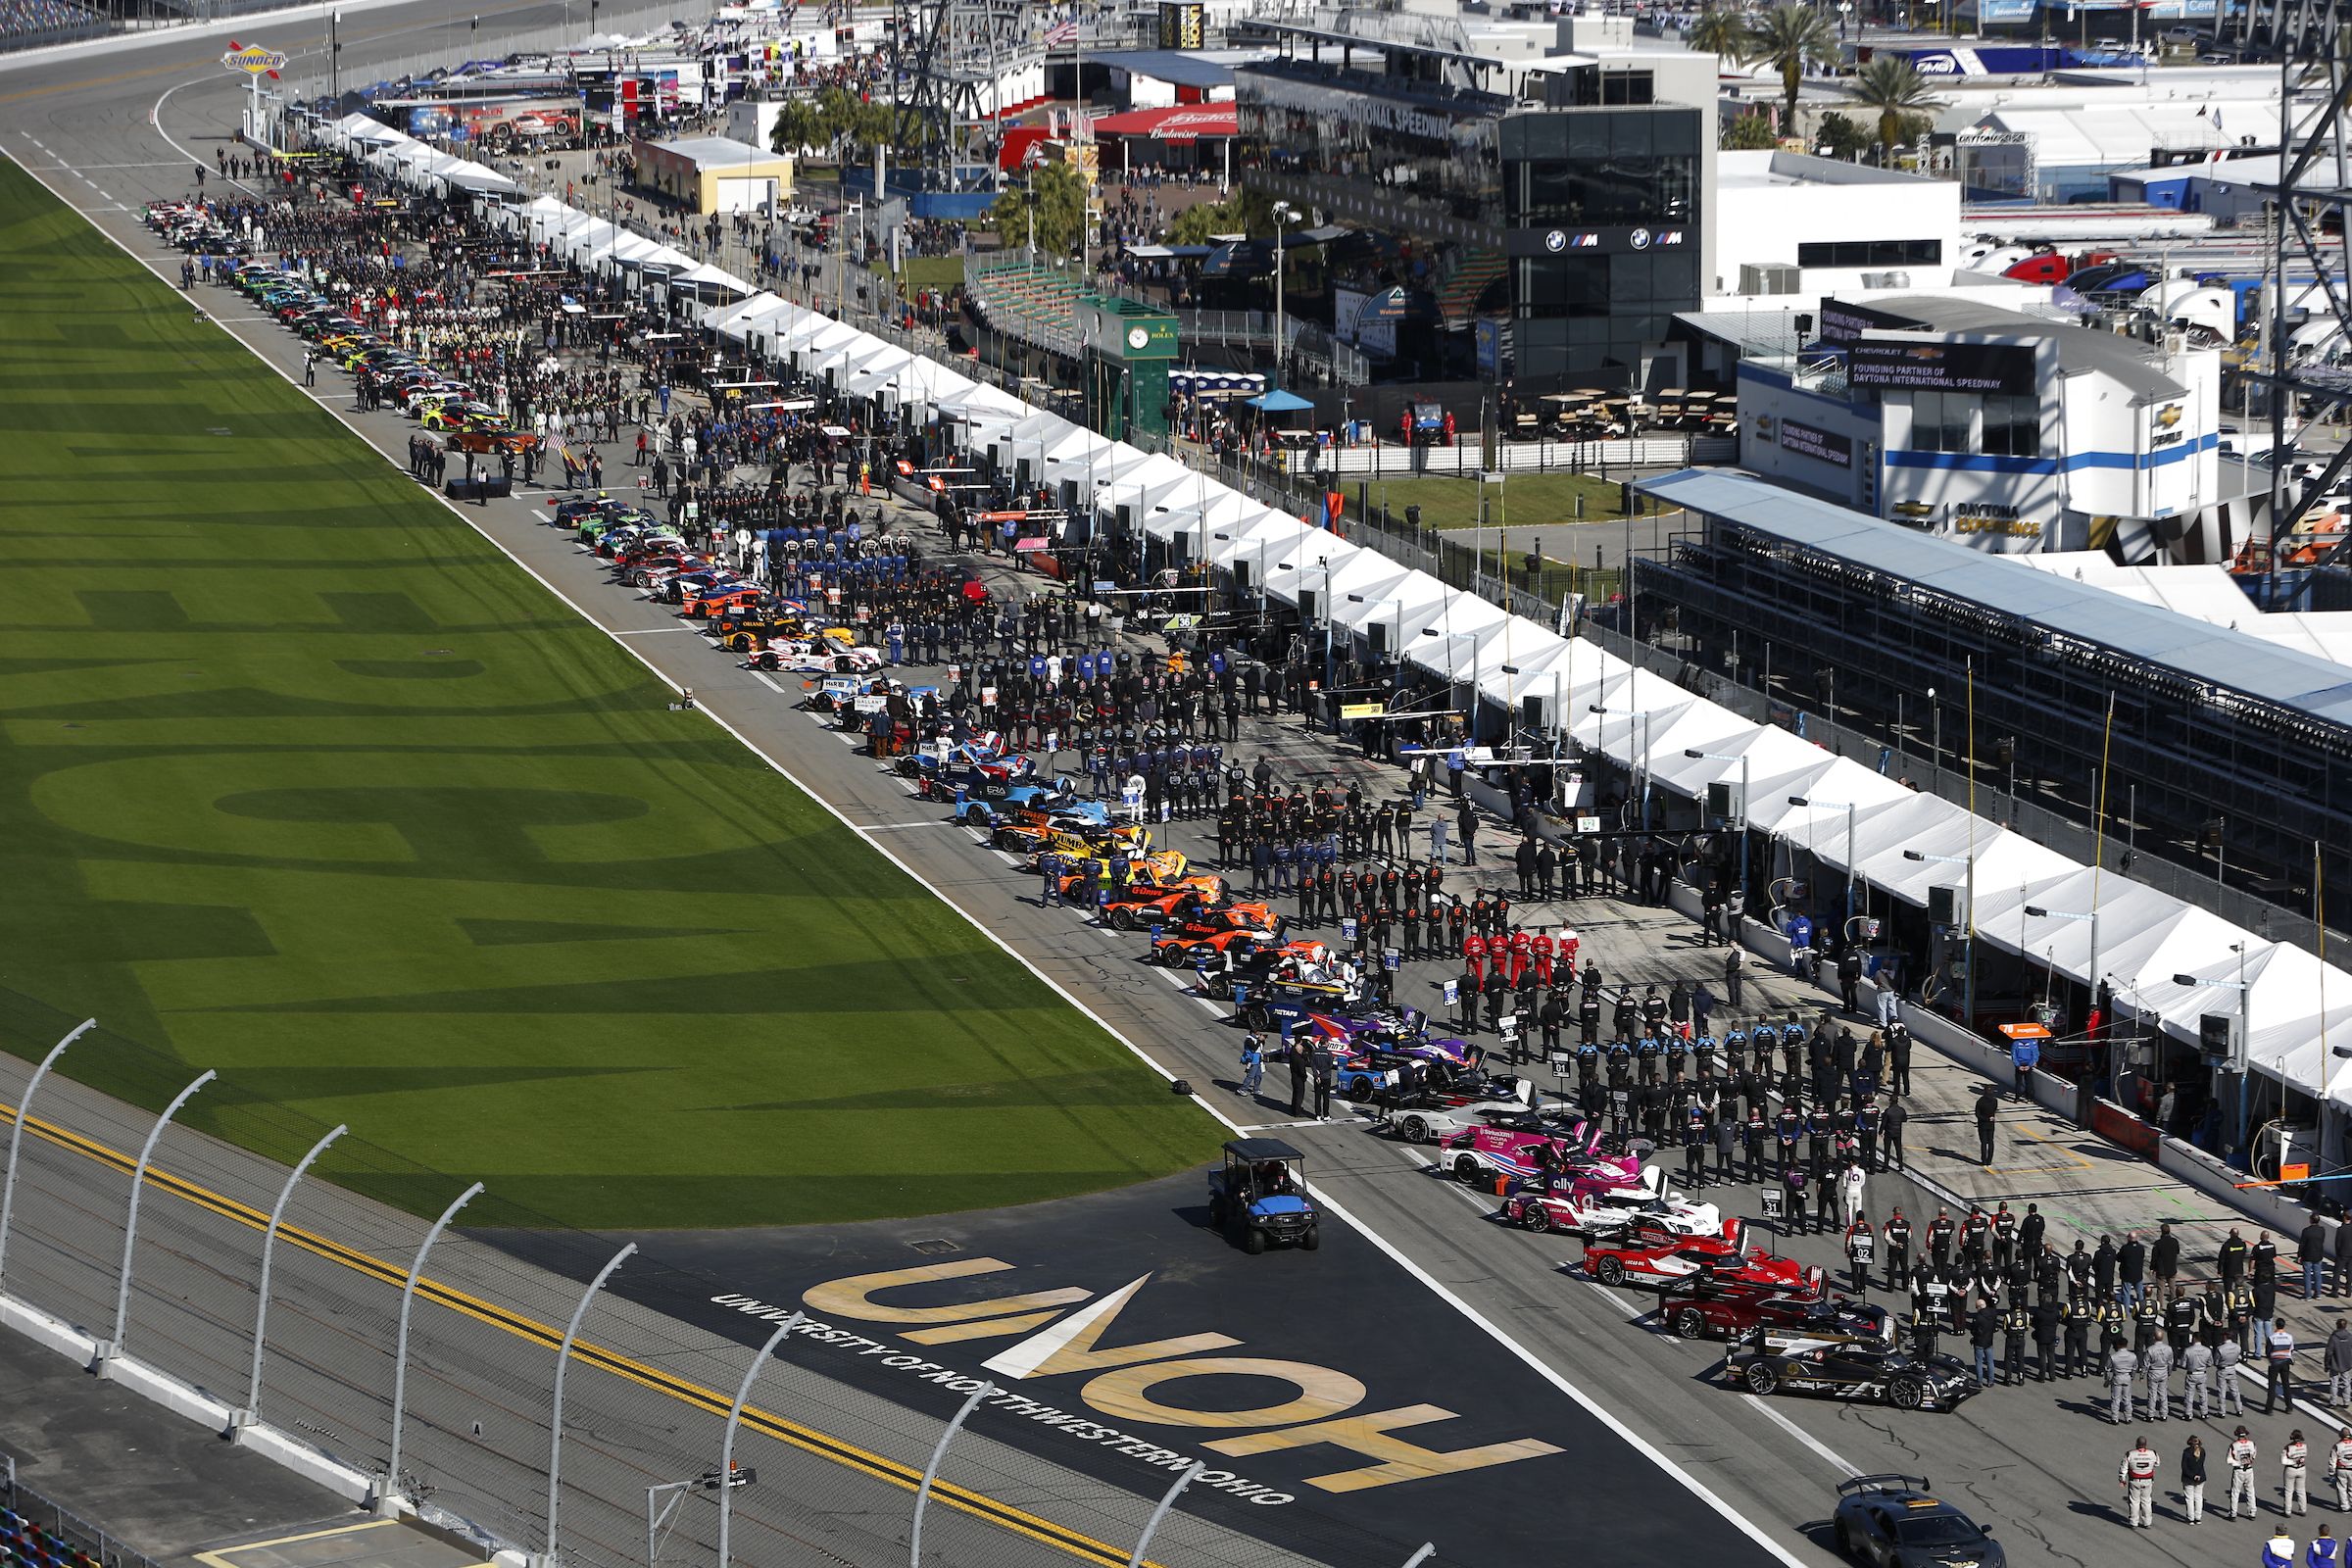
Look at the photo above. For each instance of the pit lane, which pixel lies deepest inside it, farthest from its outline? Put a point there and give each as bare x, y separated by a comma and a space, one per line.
2011, 1455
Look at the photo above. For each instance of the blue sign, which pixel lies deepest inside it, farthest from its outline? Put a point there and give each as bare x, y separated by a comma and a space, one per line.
1392, 960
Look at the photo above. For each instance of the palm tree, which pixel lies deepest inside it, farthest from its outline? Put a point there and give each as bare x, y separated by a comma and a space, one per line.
1792, 38
1893, 86
1720, 32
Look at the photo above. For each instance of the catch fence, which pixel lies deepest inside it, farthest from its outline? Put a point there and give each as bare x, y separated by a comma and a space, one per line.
443, 1394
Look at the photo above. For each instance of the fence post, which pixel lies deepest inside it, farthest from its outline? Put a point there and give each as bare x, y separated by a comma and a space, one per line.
16, 1135
387, 1502
1142, 1543
1427, 1552
571, 1331
922, 1493
726, 1444
130, 1220
261, 1317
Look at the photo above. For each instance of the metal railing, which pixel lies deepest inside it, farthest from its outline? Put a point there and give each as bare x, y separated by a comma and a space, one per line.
45, 1513
426, 1359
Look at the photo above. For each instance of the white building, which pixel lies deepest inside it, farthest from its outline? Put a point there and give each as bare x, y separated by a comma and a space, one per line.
2007, 431
1791, 223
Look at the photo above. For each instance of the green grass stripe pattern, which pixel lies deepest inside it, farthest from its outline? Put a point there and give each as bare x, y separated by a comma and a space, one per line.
304, 781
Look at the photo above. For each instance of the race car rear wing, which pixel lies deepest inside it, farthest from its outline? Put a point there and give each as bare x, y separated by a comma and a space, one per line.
1856, 1486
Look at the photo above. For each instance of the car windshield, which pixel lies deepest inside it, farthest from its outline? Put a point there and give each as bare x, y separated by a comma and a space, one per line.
1936, 1529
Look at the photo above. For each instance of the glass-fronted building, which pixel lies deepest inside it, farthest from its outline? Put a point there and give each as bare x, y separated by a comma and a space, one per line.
1529, 202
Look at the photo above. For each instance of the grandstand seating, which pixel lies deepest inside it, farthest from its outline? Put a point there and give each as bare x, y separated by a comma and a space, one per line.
21, 19
25, 1545
1034, 303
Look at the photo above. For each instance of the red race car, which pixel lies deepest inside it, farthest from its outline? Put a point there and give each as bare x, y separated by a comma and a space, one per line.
1647, 1263
1725, 1309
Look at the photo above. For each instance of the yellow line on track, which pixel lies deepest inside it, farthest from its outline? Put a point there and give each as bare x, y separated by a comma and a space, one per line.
807, 1439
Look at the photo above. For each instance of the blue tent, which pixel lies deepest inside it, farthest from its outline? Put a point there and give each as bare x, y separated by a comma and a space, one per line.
1279, 401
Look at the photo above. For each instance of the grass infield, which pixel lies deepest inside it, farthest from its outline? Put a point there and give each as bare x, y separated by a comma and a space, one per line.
306, 782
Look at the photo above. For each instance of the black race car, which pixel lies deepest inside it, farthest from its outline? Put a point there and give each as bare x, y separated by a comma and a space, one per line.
1848, 1362
1893, 1521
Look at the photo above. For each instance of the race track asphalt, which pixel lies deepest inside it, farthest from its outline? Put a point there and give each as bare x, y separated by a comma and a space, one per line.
2028, 1461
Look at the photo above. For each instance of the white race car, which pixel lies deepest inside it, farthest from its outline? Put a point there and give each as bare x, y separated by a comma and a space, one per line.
827, 658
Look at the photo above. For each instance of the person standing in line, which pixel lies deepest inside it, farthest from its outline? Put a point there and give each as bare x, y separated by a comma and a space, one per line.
2193, 1479
2242, 1456
2121, 1367
2340, 1468
2280, 1551
1296, 1051
2278, 1368
2294, 1464
1326, 1075
2157, 1359
2338, 1364
2137, 1477
2326, 1552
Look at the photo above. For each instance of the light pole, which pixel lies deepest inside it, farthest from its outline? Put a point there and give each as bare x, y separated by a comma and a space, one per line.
2236, 1066
1848, 809
2092, 980
1935, 719
1284, 216
1968, 927
1323, 604
1742, 759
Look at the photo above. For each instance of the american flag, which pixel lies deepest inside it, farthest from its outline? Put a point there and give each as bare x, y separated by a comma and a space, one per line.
1061, 32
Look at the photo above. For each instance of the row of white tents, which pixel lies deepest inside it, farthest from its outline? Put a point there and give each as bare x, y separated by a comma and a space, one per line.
1851, 819
412, 162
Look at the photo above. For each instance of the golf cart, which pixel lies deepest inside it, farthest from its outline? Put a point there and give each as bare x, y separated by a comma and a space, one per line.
1261, 1190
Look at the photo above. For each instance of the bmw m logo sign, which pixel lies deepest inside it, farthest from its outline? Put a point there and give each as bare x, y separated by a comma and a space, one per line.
1639, 239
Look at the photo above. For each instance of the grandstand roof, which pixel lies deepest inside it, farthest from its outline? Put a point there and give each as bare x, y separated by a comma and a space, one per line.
2218, 656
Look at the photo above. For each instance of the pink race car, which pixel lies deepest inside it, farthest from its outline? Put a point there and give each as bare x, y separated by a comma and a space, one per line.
1600, 1204
1506, 1144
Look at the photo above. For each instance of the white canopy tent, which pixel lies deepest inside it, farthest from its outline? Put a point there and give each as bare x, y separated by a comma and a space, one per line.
1645, 721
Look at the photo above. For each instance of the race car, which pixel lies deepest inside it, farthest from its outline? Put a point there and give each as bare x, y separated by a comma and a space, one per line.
703, 600
1652, 1265
1141, 904
1067, 837
1504, 1143
1825, 1360
1437, 1110
1224, 956
1036, 806
1598, 1205
1289, 999
1703, 1309
1213, 926
1896, 1521
1262, 962
827, 660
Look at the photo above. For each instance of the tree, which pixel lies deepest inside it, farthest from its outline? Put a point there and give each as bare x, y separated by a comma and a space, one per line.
1750, 133
1053, 197
1245, 212
1841, 136
1720, 31
799, 124
1790, 38
1893, 88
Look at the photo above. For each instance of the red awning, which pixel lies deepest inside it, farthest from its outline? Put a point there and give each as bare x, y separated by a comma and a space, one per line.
1182, 122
